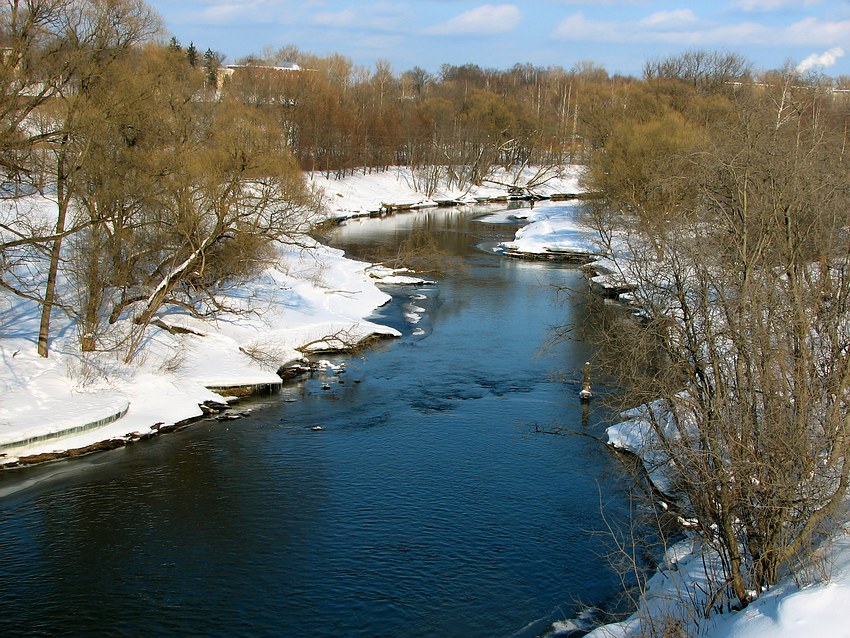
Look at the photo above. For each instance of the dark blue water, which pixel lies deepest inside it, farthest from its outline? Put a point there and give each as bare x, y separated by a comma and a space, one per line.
426, 506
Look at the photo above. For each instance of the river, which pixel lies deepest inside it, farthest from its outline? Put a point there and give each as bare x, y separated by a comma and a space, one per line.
427, 505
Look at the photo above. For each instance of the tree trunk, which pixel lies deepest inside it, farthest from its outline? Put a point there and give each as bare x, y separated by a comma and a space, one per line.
55, 254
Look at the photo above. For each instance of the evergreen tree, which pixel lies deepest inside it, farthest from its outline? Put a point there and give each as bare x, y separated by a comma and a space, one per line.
192, 55
211, 64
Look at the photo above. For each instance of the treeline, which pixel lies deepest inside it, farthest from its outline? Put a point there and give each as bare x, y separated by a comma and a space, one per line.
342, 118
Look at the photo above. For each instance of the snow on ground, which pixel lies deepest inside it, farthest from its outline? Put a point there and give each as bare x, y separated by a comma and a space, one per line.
810, 605
636, 435
790, 611
361, 194
816, 609
552, 228
554, 234
306, 297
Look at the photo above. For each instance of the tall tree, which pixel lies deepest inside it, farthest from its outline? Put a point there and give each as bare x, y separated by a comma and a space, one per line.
192, 55
212, 63
184, 196
100, 32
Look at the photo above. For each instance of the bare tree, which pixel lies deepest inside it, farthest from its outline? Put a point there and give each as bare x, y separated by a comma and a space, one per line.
742, 351
705, 70
184, 197
58, 50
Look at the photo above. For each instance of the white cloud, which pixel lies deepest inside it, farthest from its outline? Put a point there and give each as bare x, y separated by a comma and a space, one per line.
224, 12
764, 6
486, 19
577, 27
670, 18
343, 18
380, 17
814, 31
597, 3
807, 32
825, 60
235, 12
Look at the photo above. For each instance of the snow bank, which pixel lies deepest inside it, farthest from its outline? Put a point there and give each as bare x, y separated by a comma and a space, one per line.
791, 611
553, 228
72, 400
360, 194
788, 610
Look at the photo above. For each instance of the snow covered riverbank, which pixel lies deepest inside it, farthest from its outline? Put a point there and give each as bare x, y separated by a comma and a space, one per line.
306, 297
72, 400
398, 188
553, 230
805, 604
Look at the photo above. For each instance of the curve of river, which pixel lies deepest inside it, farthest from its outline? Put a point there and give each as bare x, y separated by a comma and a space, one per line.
426, 506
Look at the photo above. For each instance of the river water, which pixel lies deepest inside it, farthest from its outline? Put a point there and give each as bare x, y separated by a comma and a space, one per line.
426, 506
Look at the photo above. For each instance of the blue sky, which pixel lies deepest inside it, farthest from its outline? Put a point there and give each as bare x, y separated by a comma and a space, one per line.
617, 34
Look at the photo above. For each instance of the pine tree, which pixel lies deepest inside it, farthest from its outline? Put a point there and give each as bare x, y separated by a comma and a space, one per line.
211, 63
192, 55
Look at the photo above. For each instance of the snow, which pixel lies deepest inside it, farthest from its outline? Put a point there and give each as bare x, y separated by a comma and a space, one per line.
305, 297
361, 194
553, 227
636, 435
788, 610
396, 276
814, 609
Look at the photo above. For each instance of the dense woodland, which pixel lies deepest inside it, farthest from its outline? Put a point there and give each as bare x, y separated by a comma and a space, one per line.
169, 177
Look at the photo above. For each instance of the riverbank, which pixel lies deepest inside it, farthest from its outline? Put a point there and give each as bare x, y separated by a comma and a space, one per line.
801, 605
807, 603
73, 403
399, 189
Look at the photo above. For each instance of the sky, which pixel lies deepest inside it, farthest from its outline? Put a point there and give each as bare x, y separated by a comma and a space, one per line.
619, 35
